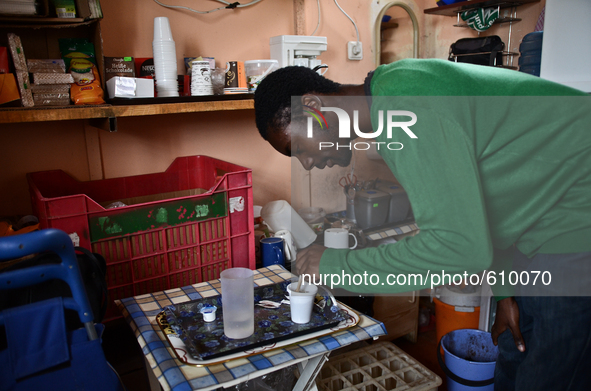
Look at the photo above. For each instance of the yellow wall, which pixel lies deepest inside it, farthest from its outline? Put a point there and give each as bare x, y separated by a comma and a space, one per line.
149, 144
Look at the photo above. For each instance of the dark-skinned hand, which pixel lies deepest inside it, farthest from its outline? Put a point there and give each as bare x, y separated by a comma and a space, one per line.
507, 317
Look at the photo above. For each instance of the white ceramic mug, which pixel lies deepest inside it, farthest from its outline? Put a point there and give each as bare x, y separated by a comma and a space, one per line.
290, 247
338, 238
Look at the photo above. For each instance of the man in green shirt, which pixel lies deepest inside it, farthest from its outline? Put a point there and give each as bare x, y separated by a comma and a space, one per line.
497, 167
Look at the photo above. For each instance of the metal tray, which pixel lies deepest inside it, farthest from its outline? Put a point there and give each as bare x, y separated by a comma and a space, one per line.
206, 340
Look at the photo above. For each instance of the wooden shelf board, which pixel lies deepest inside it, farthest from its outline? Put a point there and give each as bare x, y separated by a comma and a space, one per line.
18, 115
498, 21
39, 23
454, 9
388, 25
187, 107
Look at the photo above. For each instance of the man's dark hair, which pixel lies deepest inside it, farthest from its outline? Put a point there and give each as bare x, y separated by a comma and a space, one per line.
272, 98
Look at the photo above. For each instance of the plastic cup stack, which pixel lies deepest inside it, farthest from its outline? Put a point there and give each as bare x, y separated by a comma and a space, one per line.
165, 67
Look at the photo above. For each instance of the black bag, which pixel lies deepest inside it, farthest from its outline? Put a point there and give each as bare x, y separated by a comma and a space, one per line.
481, 50
93, 269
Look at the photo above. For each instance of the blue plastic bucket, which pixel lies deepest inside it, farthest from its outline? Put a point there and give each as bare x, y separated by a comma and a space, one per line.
470, 358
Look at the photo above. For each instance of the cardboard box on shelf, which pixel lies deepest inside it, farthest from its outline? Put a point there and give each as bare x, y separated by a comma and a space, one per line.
9, 95
64, 8
46, 66
4, 59
130, 87
48, 47
144, 66
119, 66
46, 10
24, 9
144, 69
70, 9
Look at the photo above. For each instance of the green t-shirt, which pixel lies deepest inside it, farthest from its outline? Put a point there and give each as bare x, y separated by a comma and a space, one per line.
501, 158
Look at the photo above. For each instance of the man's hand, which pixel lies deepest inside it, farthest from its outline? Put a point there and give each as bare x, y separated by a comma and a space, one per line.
308, 260
507, 317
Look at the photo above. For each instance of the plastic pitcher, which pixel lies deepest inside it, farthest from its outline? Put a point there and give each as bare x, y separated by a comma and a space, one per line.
280, 215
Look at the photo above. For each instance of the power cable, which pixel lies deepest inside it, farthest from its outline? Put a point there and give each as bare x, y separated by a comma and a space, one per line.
228, 6
356, 48
318, 24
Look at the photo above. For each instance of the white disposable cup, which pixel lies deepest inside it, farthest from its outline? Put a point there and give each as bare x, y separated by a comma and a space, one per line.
238, 302
167, 85
164, 54
166, 79
169, 82
163, 44
163, 51
301, 302
166, 76
280, 215
170, 87
165, 59
166, 45
162, 30
338, 238
201, 91
166, 94
165, 73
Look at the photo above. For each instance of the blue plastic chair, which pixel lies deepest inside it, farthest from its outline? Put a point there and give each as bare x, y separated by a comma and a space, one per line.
41, 353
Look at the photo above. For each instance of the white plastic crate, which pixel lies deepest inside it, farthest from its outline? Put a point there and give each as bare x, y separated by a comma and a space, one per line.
380, 366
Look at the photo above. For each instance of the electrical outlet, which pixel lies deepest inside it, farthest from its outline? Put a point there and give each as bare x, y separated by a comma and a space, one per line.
355, 50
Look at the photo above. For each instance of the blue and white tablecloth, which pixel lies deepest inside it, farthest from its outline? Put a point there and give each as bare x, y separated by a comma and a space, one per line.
140, 312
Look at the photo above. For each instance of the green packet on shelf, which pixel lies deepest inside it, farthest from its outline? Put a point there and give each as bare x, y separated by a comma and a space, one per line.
64, 8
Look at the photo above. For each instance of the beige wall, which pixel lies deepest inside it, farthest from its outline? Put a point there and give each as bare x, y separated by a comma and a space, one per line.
436, 34
149, 144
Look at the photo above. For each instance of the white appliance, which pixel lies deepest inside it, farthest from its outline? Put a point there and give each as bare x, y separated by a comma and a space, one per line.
302, 50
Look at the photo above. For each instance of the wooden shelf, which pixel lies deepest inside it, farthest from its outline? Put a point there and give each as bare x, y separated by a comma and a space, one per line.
454, 9
18, 115
498, 21
388, 25
39, 22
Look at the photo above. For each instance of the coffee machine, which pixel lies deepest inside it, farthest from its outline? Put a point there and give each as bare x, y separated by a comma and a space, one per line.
301, 50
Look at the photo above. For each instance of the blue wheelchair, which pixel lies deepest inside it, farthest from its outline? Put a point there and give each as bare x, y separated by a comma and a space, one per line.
37, 350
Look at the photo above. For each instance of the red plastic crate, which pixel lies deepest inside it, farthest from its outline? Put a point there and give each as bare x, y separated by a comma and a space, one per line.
179, 240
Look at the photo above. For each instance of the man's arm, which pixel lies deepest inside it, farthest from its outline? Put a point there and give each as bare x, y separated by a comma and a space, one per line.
439, 171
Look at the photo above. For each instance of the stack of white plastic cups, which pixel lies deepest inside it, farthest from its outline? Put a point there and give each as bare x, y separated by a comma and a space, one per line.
165, 67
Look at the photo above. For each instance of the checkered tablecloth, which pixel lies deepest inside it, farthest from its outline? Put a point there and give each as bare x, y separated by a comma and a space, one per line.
140, 313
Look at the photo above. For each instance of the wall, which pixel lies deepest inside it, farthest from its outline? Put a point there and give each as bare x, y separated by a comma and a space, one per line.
149, 144
436, 34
